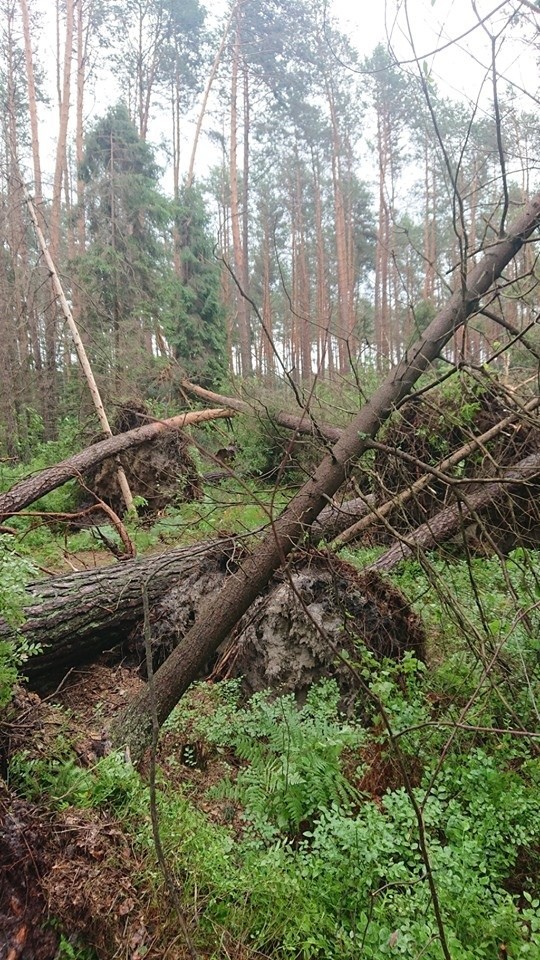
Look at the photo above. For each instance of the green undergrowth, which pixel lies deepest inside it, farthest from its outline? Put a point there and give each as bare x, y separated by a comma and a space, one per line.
301, 834
312, 847
232, 507
15, 572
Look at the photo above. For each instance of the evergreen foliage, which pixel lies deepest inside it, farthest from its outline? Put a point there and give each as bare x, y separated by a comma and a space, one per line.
195, 325
15, 572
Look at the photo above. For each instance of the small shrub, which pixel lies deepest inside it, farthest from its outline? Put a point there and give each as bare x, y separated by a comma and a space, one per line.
15, 572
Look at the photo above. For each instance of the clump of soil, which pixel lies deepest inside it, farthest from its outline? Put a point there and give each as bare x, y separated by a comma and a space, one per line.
431, 427
24, 931
89, 887
313, 620
160, 470
294, 634
75, 866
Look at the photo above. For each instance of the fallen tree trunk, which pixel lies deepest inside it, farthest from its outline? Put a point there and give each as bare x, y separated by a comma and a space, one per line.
447, 523
305, 424
75, 617
221, 613
371, 516
32, 488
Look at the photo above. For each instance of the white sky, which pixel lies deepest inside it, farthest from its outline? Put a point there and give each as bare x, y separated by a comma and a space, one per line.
461, 68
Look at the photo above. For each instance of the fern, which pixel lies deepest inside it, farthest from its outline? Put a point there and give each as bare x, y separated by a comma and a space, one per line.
293, 769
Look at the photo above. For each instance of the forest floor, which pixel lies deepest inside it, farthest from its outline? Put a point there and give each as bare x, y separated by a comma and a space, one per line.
79, 865
76, 864
288, 831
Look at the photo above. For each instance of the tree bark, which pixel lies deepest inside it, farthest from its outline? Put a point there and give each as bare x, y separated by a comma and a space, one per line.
237, 220
447, 523
220, 614
32, 103
32, 488
51, 331
208, 88
76, 617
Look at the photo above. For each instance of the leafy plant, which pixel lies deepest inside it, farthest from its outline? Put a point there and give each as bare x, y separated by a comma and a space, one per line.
292, 756
15, 572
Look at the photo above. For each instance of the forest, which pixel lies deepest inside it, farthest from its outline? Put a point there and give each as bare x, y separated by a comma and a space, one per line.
269, 480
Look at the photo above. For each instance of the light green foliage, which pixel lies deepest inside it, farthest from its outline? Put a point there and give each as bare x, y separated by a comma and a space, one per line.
293, 757
495, 599
319, 871
352, 882
70, 948
60, 781
233, 506
15, 572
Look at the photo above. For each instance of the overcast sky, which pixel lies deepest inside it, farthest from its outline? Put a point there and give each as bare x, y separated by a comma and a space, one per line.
447, 36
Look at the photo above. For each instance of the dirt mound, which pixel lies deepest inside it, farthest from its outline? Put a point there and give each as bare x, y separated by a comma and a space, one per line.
74, 866
314, 620
293, 634
160, 470
431, 427
25, 933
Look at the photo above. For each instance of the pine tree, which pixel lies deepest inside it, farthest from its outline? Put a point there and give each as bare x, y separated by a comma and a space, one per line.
125, 268
195, 324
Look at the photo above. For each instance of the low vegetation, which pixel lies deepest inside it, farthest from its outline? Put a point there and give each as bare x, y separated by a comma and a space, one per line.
293, 831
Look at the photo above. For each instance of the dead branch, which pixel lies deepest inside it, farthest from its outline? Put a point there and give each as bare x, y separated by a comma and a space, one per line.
448, 463
447, 523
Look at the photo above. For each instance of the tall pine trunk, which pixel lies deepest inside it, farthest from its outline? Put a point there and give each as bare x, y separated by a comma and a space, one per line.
237, 218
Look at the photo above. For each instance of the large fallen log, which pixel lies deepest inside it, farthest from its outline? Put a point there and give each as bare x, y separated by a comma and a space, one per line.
447, 523
411, 489
75, 617
32, 488
220, 614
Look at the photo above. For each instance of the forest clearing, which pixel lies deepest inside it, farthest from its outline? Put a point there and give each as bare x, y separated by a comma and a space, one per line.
269, 481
